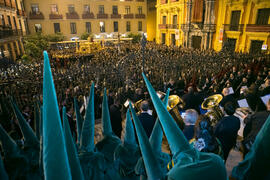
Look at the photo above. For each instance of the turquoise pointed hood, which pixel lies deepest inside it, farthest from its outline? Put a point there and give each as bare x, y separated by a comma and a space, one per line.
106, 120
88, 129
3, 173
152, 166
73, 159
9, 146
157, 133
79, 120
175, 137
28, 134
55, 160
37, 120
129, 135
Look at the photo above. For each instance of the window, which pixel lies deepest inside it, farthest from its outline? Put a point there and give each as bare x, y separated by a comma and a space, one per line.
235, 18
115, 26
38, 28
128, 26
174, 19
9, 21
263, 16
3, 20
73, 29
22, 6
86, 9
14, 21
115, 9
35, 8
127, 9
140, 9
71, 8
101, 9
88, 27
164, 19
56, 27
163, 38
102, 26
54, 8
140, 26
20, 24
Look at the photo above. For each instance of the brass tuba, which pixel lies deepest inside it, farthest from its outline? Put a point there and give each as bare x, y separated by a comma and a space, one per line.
212, 105
174, 103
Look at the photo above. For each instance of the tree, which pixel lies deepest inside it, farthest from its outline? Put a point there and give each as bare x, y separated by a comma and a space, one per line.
135, 37
85, 35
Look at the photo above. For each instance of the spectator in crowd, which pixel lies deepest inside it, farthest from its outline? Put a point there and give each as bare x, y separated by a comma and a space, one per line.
146, 119
190, 119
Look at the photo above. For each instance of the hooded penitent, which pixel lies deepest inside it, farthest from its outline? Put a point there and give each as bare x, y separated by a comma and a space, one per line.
127, 153
151, 164
189, 164
55, 160
3, 173
74, 163
256, 163
156, 143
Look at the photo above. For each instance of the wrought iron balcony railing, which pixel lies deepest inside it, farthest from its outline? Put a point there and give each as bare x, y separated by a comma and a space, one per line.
88, 15
128, 16
56, 16
116, 16
36, 15
257, 28
231, 27
140, 16
72, 15
102, 16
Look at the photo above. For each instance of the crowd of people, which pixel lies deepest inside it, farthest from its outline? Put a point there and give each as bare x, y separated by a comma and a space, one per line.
190, 74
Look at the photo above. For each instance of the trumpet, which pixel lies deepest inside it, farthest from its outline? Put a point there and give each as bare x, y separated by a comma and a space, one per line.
212, 105
174, 103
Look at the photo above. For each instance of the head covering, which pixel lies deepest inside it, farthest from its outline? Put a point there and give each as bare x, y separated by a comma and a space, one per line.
28, 134
87, 135
157, 133
106, 121
175, 137
55, 160
152, 167
130, 135
37, 120
9, 146
256, 162
73, 159
3, 173
79, 119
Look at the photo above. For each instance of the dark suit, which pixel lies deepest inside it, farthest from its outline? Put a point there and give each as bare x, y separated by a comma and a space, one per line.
192, 102
226, 131
228, 98
116, 119
148, 122
188, 132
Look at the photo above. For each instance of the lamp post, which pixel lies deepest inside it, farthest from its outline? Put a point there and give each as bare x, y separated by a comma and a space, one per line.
143, 44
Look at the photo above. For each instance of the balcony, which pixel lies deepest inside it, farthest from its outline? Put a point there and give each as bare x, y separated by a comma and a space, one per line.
173, 26
140, 0
230, 27
163, 1
8, 32
72, 15
115, 16
162, 26
36, 15
102, 16
128, 16
20, 13
55, 16
88, 15
140, 16
258, 28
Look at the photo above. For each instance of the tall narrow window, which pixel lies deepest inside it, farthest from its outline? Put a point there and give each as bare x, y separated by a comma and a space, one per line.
86, 8
101, 9
263, 16
14, 21
174, 19
115, 26
3, 20
71, 8
140, 26
35, 8
127, 9
164, 19
56, 27
9, 21
102, 26
140, 10
54, 8
115, 9
20, 24
88, 27
128, 26
73, 29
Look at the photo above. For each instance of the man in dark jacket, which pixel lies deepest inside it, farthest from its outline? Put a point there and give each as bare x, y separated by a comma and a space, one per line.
116, 119
227, 128
191, 100
146, 119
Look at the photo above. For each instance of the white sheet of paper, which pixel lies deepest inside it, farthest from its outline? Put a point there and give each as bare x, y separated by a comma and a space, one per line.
265, 98
231, 90
150, 112
126, 103
243, 103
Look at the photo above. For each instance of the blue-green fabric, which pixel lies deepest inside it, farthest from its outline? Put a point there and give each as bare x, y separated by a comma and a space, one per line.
88, 129
79, 120
106, 120
3, 173
37, 119
28, 134
9, 146
130, 134
256, 163
152, 166
55, 160
74, 163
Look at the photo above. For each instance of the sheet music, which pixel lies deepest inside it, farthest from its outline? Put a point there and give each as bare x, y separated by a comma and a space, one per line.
243, 103
231, 90
265, 98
